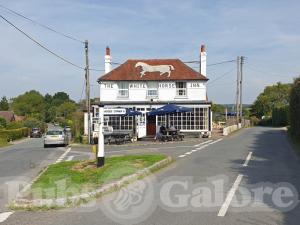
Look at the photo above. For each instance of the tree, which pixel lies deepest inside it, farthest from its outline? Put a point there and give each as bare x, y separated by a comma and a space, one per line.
30, 104
294, 109
4, 106
59, 98
275, 96
66, 109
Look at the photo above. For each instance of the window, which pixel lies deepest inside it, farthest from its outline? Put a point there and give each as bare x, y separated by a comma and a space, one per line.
121, 122
180, 89
190, 121
123, 89
152, 89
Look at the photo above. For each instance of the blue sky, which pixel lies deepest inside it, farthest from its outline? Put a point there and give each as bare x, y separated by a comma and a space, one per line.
266, 32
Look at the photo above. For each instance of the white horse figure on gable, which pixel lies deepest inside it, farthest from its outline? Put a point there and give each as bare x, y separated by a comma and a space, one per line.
159, 68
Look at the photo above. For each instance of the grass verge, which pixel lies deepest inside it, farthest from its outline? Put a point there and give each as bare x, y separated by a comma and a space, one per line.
71, 178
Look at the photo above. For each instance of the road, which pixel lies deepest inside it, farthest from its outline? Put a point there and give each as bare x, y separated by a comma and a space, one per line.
253, 166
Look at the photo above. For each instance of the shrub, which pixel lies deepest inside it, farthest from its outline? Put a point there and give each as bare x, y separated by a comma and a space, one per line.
14, 134
33, 122
254, 120
280, 116
15, 125
294, 110
2, 122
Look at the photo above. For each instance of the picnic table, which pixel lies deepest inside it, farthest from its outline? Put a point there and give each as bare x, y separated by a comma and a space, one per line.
117, 138
171, 135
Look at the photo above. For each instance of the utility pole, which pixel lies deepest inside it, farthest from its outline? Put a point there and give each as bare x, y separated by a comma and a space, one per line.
241, 86
87, 88
237, 106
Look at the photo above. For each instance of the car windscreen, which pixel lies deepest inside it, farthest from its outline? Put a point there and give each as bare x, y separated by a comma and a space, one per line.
54, 132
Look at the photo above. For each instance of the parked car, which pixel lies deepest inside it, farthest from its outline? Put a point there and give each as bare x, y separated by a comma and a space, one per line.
35, 133
55, 137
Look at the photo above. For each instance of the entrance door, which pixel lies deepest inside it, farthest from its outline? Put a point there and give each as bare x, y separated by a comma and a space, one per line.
151, 125
141, 125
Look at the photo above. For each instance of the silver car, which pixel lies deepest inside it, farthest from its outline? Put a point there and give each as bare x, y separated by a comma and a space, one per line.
55, 137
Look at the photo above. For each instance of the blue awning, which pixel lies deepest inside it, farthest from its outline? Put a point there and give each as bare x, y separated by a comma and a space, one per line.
130, 112
169, 109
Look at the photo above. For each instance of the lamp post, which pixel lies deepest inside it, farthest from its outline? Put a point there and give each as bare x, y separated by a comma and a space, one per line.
101, 153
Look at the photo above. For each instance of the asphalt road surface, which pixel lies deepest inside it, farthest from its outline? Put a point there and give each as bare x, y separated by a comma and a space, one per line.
250, 177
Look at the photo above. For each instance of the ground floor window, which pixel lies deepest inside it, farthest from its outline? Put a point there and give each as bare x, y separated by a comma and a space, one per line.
120, 122
196, 120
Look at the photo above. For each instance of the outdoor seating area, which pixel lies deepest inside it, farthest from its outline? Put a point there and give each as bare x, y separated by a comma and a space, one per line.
118, 138
171, 135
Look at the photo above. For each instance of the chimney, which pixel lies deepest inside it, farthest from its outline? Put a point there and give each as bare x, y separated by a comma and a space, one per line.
108, 62
203, 60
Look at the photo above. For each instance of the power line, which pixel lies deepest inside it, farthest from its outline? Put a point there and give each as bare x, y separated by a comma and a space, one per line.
213, 64
42, 25
221, 62
221, 76
42, 46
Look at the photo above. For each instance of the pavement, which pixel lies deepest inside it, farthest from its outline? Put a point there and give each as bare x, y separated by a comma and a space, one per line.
249, 177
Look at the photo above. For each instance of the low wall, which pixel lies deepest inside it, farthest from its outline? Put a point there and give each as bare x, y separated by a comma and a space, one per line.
230, 129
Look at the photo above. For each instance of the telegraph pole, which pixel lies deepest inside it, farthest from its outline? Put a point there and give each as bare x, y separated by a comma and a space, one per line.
241, 86
87, 88
237, 106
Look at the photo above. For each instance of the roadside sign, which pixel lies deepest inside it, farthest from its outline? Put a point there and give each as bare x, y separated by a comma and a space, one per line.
114, 111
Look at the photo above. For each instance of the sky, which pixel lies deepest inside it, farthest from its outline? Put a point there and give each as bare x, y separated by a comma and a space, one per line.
266, 32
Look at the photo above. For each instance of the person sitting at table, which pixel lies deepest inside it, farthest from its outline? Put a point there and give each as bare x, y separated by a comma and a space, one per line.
163, 130
159, 135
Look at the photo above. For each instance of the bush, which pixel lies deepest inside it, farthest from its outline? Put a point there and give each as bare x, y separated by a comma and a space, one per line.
254, 120
294, 109
3, 141
280, 116
15, 125
14, 134
2, 122
33, 122
267, 121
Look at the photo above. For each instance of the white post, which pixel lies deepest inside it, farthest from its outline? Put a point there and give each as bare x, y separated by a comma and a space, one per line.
101, 153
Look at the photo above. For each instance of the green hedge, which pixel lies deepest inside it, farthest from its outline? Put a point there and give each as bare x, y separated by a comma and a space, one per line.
14, 134
280, 116
294, 110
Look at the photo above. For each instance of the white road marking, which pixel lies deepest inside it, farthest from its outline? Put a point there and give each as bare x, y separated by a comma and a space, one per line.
63, 155
220, 139
4, 216
204, 146
209, 142
70, 157
248, 159
203, 143
230, 195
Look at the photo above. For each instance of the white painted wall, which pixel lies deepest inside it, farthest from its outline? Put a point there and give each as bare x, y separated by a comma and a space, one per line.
196, 90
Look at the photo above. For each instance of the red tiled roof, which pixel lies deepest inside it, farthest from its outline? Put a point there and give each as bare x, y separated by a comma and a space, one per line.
131, 71
7, 115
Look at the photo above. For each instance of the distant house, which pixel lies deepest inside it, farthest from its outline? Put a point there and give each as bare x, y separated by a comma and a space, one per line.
9, 116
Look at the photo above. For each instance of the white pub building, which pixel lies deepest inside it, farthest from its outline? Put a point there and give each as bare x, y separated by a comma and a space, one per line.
147, 84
